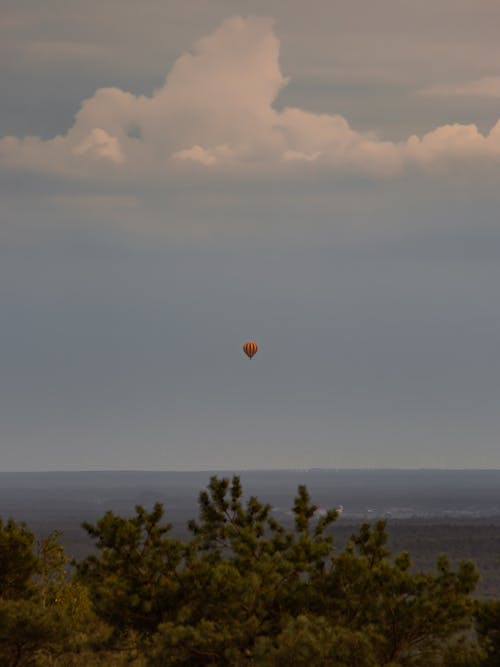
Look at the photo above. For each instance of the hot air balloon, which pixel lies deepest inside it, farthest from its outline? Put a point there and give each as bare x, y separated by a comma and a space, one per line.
250, 348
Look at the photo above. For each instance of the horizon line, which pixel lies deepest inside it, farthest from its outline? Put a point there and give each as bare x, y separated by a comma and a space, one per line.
245, 470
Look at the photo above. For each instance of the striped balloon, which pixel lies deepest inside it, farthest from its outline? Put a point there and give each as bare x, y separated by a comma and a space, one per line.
250, 348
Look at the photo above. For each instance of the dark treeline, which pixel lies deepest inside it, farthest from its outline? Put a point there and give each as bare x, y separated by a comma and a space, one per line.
243, 589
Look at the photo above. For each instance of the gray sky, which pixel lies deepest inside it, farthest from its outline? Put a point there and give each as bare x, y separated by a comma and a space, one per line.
320, 177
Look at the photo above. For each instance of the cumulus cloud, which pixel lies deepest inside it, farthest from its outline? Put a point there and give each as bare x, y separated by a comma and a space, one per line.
102, 145
216, 113
487, 86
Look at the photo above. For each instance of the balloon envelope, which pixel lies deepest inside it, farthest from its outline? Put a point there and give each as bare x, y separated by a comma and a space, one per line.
250, 348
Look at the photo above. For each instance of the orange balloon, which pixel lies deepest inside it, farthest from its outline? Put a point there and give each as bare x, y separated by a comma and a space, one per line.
250, 348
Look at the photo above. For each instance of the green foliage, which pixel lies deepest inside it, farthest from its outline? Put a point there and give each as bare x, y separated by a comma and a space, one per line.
314, 640
134, 581
488, 629
407, 614
243, 591
246, 591
43, 615
18, 562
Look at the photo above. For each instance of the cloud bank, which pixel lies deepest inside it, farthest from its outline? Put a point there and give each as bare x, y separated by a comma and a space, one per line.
216, 113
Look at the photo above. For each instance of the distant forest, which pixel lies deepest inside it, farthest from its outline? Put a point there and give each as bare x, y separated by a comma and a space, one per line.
242, 588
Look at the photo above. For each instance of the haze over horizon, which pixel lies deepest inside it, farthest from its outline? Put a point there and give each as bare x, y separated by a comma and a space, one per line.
322, 179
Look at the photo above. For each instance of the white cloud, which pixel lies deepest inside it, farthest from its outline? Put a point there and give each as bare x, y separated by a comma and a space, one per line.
100, 144
487, 86
215, 112
197, 154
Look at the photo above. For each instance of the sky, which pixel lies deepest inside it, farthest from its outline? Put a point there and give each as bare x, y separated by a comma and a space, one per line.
322, 178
